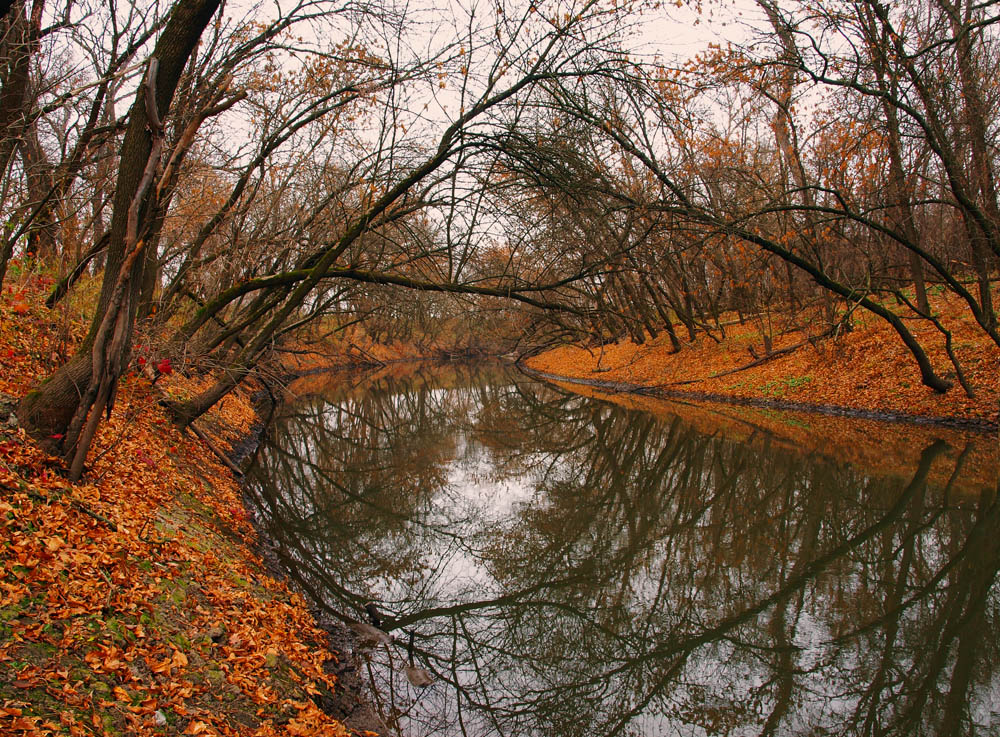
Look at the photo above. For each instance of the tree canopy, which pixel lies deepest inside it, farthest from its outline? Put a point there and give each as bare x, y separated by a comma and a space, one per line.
530, 171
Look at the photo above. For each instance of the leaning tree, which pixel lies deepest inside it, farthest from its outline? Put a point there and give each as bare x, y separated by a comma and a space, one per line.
406, 158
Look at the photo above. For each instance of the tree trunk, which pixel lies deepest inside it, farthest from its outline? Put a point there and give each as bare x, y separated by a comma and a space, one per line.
983, 185
899, 191
20, 35
48, 410
21, 41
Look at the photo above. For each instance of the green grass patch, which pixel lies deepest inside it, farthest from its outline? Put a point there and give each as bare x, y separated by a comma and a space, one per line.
781, 387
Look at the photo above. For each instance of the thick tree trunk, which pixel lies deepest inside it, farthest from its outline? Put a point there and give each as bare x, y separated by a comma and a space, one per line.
48, 410
188, 411
919, 283
804, 222
21, 40
981, 263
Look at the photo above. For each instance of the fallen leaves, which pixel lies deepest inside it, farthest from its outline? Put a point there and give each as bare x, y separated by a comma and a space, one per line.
108, 588
868, 368
19, 305
196, 727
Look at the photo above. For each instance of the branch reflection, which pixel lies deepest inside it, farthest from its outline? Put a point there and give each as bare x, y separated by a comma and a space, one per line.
570, 567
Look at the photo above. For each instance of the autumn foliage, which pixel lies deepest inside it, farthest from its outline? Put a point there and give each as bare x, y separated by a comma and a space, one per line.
130, 603
865, 369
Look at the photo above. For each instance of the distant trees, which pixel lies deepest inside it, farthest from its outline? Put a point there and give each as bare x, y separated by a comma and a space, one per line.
849, 151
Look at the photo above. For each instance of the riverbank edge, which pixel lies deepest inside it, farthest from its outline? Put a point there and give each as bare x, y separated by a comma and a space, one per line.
202, 515
618, 387
352, 703
355, 708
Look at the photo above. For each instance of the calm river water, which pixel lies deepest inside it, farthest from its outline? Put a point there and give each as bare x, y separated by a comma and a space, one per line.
570, 566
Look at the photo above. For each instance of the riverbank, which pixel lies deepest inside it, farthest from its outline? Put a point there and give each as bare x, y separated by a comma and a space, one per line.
865, 372
132, 603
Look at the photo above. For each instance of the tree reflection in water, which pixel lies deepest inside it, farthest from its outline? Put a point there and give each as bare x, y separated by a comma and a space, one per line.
568, 567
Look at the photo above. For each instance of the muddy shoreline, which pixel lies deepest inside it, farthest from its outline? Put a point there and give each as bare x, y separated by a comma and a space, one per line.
614, 387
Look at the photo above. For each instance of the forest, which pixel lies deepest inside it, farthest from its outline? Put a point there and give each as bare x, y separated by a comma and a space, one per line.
780, 204
218, 180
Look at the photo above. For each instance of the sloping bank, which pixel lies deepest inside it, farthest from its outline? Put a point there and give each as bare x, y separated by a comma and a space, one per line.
865, 373
349, 701
612, 387
133, 602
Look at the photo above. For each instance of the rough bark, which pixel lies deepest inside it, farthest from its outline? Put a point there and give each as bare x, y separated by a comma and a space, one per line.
20, 39
49, 409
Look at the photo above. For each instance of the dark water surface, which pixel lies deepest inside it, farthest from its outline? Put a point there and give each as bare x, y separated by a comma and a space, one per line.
568, 566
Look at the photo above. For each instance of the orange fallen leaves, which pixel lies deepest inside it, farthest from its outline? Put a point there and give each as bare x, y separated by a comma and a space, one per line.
868, 368
108, 588
196, 727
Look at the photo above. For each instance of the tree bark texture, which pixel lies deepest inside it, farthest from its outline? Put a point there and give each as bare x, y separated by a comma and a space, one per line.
48, 410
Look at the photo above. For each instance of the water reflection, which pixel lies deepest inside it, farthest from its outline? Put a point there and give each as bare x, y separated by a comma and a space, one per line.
569, 567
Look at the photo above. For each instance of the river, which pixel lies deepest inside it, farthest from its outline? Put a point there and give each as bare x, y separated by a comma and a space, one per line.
571, 565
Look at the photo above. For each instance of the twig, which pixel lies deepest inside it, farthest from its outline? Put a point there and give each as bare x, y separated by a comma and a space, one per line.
212, 447
63, 287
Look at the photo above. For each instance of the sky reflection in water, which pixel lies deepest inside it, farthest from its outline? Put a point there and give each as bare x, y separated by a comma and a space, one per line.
571, 567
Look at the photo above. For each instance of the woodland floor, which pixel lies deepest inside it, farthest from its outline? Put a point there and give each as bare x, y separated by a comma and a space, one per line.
866, 369
130, 603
